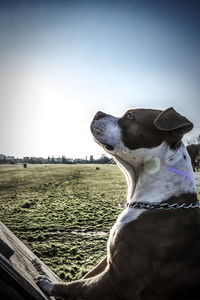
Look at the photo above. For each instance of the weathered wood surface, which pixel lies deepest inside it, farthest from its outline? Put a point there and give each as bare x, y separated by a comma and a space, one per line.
18, 268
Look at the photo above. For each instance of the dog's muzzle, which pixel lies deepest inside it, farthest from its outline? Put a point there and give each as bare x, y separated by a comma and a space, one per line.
105, 130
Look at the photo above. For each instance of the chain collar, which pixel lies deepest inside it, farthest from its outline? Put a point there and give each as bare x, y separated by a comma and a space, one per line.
160, 206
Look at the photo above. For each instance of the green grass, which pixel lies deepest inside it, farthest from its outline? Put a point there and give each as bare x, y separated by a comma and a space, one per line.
63, 213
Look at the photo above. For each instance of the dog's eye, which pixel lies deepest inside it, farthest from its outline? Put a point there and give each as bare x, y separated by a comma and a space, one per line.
129, 116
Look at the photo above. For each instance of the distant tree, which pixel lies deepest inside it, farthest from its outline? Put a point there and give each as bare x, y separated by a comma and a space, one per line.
64, 160
104, 159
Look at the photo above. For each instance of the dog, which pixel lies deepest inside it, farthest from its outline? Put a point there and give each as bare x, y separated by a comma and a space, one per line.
153, 251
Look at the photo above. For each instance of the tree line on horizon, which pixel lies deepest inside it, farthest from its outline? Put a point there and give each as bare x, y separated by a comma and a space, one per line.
55, 160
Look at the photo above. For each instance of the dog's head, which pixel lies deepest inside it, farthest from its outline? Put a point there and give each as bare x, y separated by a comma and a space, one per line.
139, 129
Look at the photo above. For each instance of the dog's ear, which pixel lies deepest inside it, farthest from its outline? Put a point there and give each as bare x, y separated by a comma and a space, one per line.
170, 120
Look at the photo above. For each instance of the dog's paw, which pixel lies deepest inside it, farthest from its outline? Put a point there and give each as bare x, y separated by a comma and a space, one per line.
45, 284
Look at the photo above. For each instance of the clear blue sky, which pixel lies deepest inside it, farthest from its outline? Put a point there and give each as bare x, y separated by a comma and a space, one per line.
61, 61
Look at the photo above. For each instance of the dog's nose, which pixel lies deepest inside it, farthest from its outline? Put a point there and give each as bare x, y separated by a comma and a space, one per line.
99, 115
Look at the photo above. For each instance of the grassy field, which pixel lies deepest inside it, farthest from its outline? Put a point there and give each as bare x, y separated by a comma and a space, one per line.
63, 213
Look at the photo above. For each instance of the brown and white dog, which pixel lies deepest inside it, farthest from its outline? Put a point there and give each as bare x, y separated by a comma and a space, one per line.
151, 253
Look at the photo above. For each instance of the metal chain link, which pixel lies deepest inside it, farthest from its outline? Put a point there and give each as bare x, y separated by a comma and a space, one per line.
161, 206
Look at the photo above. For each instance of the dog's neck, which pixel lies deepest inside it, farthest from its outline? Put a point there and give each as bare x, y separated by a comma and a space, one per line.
155, 175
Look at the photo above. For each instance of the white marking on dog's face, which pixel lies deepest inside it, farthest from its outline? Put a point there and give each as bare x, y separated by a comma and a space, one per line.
110, 132
106, 132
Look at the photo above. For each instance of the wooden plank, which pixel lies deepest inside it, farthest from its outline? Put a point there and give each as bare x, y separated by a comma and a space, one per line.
22, 267
15, 285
